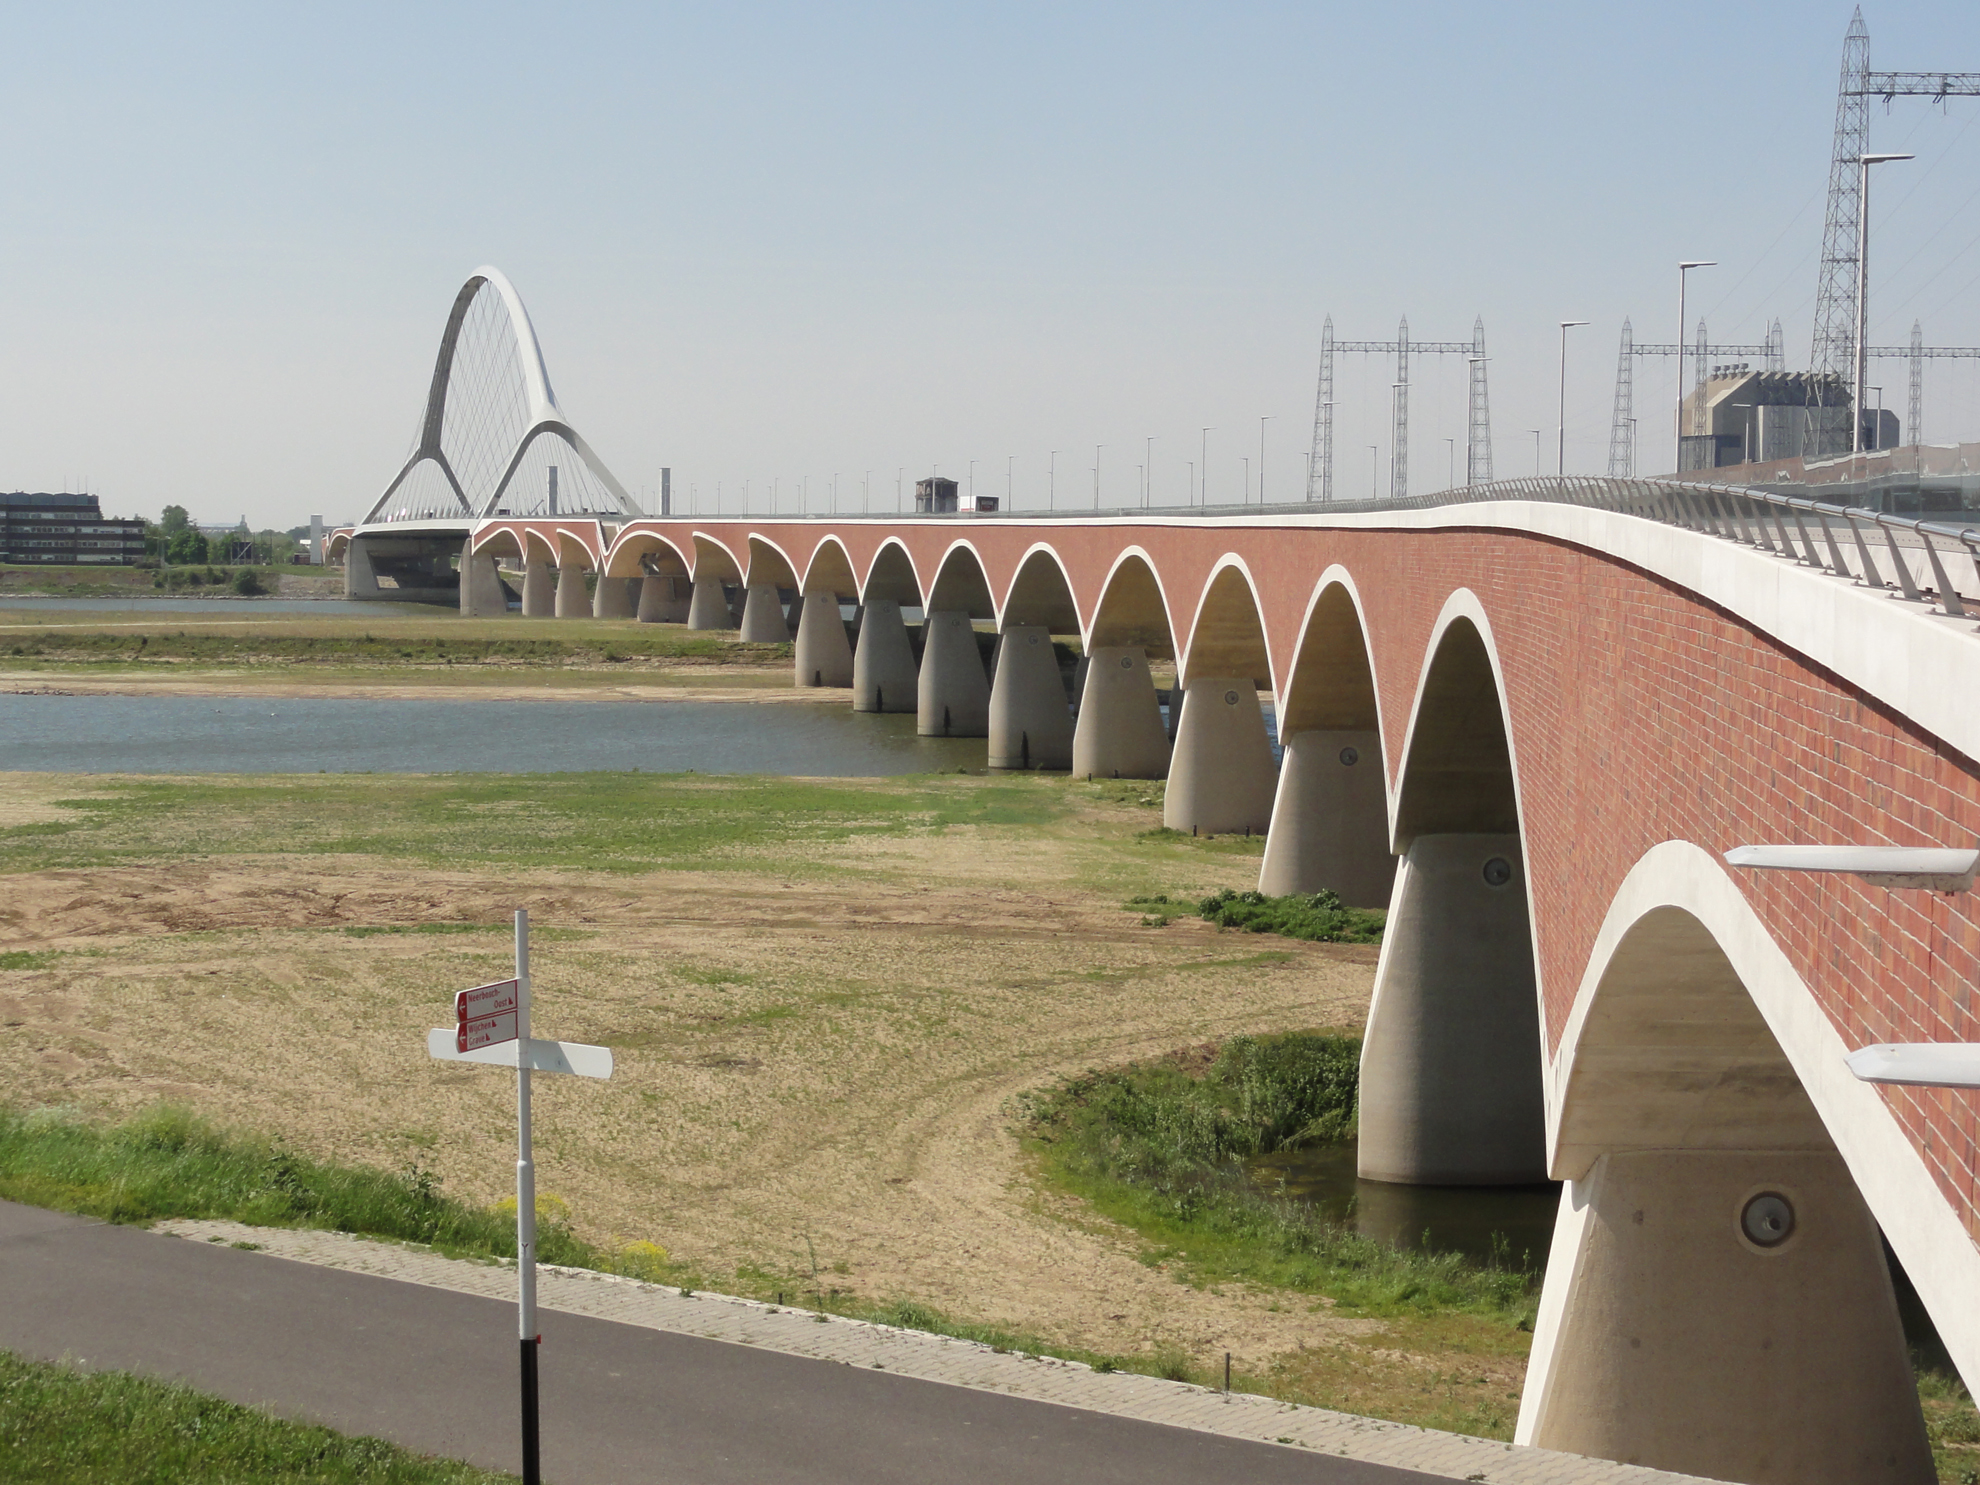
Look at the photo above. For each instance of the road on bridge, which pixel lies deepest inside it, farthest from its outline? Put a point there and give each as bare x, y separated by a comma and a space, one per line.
435, 1371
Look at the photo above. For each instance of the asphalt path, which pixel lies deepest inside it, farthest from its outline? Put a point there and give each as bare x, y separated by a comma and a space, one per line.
436, 1371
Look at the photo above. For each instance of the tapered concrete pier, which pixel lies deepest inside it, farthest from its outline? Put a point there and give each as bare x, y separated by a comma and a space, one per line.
824, 656
1120, 733
1450, 1087
1221, 778
658, 603
708, 607
539, 598
954, 694
763, 617
481, 586
1330, 822
1030, 724
884, 678
572, 601
612, 599
1684, 1344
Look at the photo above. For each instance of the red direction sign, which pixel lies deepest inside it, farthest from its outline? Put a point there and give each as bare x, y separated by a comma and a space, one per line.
485, 1031
486, 1015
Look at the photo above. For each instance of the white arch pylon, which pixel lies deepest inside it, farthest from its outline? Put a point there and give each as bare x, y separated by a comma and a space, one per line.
544, 414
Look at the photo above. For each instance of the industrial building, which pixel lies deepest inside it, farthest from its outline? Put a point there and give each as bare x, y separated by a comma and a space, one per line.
1743, 416
66, 529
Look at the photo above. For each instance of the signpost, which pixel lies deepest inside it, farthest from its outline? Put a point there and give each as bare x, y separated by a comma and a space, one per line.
491, 1025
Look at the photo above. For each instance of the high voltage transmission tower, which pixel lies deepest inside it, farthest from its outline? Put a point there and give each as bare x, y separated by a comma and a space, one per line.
1837, 310
1478, 451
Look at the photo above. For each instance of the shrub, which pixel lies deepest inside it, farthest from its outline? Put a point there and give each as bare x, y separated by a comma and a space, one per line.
247, 582
1320, 917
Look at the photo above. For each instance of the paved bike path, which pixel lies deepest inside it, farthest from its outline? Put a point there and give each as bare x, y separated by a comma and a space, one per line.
435, 1370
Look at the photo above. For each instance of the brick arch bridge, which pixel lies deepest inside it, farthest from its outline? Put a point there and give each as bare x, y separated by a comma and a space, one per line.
1531, 730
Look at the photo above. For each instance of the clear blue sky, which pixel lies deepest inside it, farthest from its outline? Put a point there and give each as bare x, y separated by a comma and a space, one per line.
774, 242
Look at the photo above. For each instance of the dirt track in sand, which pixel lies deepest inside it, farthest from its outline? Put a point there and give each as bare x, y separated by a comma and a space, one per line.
832, 1057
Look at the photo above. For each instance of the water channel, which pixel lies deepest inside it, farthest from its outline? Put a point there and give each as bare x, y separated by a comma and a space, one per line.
223, 734
1510, 1225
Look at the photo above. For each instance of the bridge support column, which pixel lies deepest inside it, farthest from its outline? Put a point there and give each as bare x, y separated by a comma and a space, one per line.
884, 678
954, 695
658, 603
824, 658
1450, 1064
360, 578
539, 600
481, 586
1119, 734
572, 601
1030, 724
613, 600
1667, 1337
708, 608
1330, 822
1221, 779
763, 617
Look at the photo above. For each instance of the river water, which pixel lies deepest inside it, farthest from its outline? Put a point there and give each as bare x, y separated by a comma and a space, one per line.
217, 607
215, 734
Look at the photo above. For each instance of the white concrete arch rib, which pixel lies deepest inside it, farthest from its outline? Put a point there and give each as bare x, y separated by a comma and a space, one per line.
491, 430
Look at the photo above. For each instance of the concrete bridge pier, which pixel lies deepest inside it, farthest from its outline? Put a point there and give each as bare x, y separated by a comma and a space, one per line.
481, 586
1221, 778
1030, 725
708, 607
612, 600
1330, 821
1120, 733
659, 602
954, 695
539, 591
572, 601
1682, 1343
824, 658
1449, 1092
884, 676
763, 617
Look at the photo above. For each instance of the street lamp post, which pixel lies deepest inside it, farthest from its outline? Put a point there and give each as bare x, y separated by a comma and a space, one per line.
1560, 467
1261, 456
1096, 474
1374, 463
1010, 474
1450, 479
1864, 162
1536, 451
1677, 448
1147, 468
1204, 467
1052, 482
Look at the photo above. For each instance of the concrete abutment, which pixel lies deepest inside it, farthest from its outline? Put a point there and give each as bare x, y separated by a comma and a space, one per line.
1221, 778
1451, 1089
1030, 724
1330, 820
884, 674
1120, 733
953, 695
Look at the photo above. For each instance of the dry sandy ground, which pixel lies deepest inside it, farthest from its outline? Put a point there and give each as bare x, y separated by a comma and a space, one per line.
832, 1057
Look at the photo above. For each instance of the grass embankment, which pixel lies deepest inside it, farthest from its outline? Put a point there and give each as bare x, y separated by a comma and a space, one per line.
1157, 1146
63, 1426
440, 642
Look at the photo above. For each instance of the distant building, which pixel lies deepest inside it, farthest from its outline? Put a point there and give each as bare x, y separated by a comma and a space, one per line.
66, 529
934, 497
1752, 417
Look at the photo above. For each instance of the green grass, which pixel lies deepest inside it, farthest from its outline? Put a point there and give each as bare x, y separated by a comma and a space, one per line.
602, 821
1156, 1146
1318, 917
63, 1426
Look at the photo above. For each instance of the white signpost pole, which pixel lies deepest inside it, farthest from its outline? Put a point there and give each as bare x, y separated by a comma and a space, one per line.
491, 1026
525, 1215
